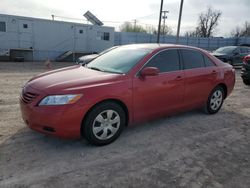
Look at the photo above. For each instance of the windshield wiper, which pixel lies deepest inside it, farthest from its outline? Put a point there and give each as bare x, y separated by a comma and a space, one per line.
95, 68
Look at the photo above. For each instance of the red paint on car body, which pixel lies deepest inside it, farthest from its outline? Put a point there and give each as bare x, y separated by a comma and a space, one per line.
144, 99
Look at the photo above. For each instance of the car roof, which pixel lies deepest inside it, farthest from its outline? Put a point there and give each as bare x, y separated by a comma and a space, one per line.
154, 46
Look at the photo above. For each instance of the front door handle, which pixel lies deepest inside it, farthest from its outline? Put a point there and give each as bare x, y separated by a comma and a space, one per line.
178, 78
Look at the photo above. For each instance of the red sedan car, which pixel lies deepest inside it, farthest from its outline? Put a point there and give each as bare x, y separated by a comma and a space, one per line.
129, 84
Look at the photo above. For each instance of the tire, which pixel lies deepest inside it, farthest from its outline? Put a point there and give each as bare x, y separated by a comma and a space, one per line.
247, 82
215, 100
104, 123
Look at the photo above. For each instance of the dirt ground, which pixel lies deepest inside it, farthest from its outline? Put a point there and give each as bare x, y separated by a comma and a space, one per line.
187, 150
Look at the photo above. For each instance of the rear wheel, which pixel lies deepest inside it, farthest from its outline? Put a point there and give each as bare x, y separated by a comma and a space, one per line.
104, 123
215, 100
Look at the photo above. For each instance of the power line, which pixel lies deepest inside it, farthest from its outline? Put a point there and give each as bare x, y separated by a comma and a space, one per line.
135, 22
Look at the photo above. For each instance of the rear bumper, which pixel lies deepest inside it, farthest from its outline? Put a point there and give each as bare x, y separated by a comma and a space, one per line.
60, 121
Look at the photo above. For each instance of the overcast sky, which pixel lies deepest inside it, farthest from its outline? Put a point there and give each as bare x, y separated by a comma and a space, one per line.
234, 12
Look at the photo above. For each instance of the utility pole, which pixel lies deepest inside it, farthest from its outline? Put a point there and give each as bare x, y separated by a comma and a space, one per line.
164, 17
159, 26
179, 23
135, 21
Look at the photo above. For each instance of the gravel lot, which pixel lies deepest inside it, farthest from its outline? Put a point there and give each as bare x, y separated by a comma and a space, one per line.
187, 150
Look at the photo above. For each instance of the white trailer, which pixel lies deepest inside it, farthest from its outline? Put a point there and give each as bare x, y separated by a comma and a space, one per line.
50, 38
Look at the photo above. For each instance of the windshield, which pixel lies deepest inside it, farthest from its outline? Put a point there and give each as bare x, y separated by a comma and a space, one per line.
226, 50
118, 60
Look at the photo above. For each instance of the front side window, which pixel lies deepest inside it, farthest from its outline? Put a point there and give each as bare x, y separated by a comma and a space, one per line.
225, 50
192, 59
244, 50
2, 26
165, 61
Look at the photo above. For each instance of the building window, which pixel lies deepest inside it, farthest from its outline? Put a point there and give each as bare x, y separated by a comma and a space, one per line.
106, 36
2, 27
103, 36
81, 31
25, 26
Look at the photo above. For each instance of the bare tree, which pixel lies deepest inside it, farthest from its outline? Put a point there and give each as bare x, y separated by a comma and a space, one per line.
243, 31
128, 27
165, 30
246, 29
191, 33
207, 22
236, 32
150, 29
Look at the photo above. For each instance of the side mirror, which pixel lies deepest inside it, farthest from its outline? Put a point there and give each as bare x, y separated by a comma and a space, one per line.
236, 53
149, 71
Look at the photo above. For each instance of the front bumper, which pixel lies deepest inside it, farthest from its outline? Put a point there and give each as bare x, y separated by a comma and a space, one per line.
60, 121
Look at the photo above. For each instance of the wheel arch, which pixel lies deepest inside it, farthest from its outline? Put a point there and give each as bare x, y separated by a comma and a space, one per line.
224, 87
117, 101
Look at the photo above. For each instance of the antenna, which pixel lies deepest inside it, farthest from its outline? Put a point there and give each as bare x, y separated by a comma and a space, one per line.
92, 18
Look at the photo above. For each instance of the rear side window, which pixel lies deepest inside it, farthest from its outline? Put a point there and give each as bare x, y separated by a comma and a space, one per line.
192, 59
244, 50
208, 62
166, 61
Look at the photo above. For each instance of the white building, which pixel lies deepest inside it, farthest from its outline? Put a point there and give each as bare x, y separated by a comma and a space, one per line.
39, 39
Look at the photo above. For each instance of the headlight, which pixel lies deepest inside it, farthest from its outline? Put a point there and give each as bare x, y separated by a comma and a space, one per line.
60, 99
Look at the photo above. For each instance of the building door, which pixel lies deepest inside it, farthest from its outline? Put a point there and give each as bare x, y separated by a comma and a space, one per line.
80, 39
26, 37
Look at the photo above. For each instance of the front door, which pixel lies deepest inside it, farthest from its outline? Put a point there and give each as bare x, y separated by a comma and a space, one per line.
155, 96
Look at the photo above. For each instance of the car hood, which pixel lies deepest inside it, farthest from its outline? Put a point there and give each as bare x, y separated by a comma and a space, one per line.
71, 79
219, 54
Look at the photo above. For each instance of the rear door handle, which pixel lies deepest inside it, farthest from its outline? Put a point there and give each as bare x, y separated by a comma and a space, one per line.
214, 72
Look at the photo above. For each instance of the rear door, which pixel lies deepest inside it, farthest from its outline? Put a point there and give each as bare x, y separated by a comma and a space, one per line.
200, 75
158, 95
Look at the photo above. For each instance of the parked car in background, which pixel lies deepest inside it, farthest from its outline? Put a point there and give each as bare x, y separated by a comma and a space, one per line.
232, 54
87, 58
245, 71
128, 84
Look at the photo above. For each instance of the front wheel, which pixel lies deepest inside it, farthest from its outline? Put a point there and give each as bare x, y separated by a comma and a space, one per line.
104, 123
215, 100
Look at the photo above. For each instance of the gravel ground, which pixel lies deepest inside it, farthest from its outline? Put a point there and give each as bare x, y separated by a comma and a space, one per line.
187, 150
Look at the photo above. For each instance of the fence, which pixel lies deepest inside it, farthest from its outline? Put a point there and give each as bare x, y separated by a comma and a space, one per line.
205, 43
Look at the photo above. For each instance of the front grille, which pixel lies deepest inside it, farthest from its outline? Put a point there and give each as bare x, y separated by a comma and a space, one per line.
28, 97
